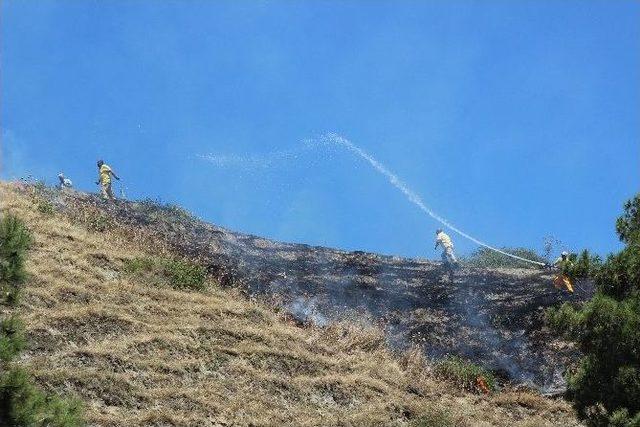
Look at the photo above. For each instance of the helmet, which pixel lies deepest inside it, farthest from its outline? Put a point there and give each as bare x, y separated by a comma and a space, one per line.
100, 163
564, 253
61, 175
439, 230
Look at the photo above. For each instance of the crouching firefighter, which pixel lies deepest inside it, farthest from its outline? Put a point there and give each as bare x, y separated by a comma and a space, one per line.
448, 257
563, 278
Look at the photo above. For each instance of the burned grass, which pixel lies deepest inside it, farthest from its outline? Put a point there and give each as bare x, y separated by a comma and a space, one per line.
137, 353
491, 316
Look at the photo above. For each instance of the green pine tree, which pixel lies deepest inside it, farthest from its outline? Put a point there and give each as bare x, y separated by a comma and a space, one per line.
605, 386
21, 402
14, 242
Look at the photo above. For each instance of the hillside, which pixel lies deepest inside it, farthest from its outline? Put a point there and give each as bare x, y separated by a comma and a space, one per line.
139, 352
491, 316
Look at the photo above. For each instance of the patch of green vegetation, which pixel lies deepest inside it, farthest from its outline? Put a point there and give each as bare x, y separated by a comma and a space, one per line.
185, 275
486, 258
138, 265
45, 207
605, 386
21, 402
179, 274
464, 374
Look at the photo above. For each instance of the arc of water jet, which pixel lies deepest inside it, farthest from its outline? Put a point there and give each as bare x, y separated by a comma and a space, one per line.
414, 198
333, 139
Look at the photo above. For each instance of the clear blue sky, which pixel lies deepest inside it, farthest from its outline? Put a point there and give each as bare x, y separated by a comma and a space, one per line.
514, 120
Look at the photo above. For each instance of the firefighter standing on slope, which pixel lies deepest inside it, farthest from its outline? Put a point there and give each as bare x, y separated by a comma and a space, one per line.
448, 257
563, 278
104, 180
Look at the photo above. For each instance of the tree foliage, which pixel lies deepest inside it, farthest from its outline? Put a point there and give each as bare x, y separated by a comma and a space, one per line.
14, 242
584, 265
628, 225
605, 386
21, 402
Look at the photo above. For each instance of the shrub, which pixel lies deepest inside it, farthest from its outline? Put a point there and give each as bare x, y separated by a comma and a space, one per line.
486, 258
605, 386
185, 275
178, 274
463, 373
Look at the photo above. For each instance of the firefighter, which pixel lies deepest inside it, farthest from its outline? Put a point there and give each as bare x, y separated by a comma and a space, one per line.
64, 182
563, 279
104, 180
448, 257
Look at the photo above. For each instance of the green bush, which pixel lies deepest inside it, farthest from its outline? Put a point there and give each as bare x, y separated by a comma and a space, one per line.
463, 373
605, 386
178, 274
486, 258
185, 275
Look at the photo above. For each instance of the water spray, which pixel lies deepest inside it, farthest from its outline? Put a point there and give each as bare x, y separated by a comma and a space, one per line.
333, 139
414, 198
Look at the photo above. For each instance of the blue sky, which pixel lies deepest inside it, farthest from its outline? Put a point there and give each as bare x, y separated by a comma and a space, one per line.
513, 120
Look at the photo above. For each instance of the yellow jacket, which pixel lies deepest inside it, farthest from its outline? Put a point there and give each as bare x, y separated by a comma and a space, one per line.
443, 239
105, 174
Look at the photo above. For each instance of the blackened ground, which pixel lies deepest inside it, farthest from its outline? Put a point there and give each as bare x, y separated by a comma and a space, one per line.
491, 316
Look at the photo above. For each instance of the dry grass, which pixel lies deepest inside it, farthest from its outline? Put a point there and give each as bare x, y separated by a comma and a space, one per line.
140, 353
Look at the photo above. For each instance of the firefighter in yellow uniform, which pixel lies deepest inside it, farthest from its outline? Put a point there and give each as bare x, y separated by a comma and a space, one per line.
104, 179
563, 279
449, 260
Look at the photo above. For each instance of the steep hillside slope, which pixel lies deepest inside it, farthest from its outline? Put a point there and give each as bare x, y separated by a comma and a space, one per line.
139, 352
493, 317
